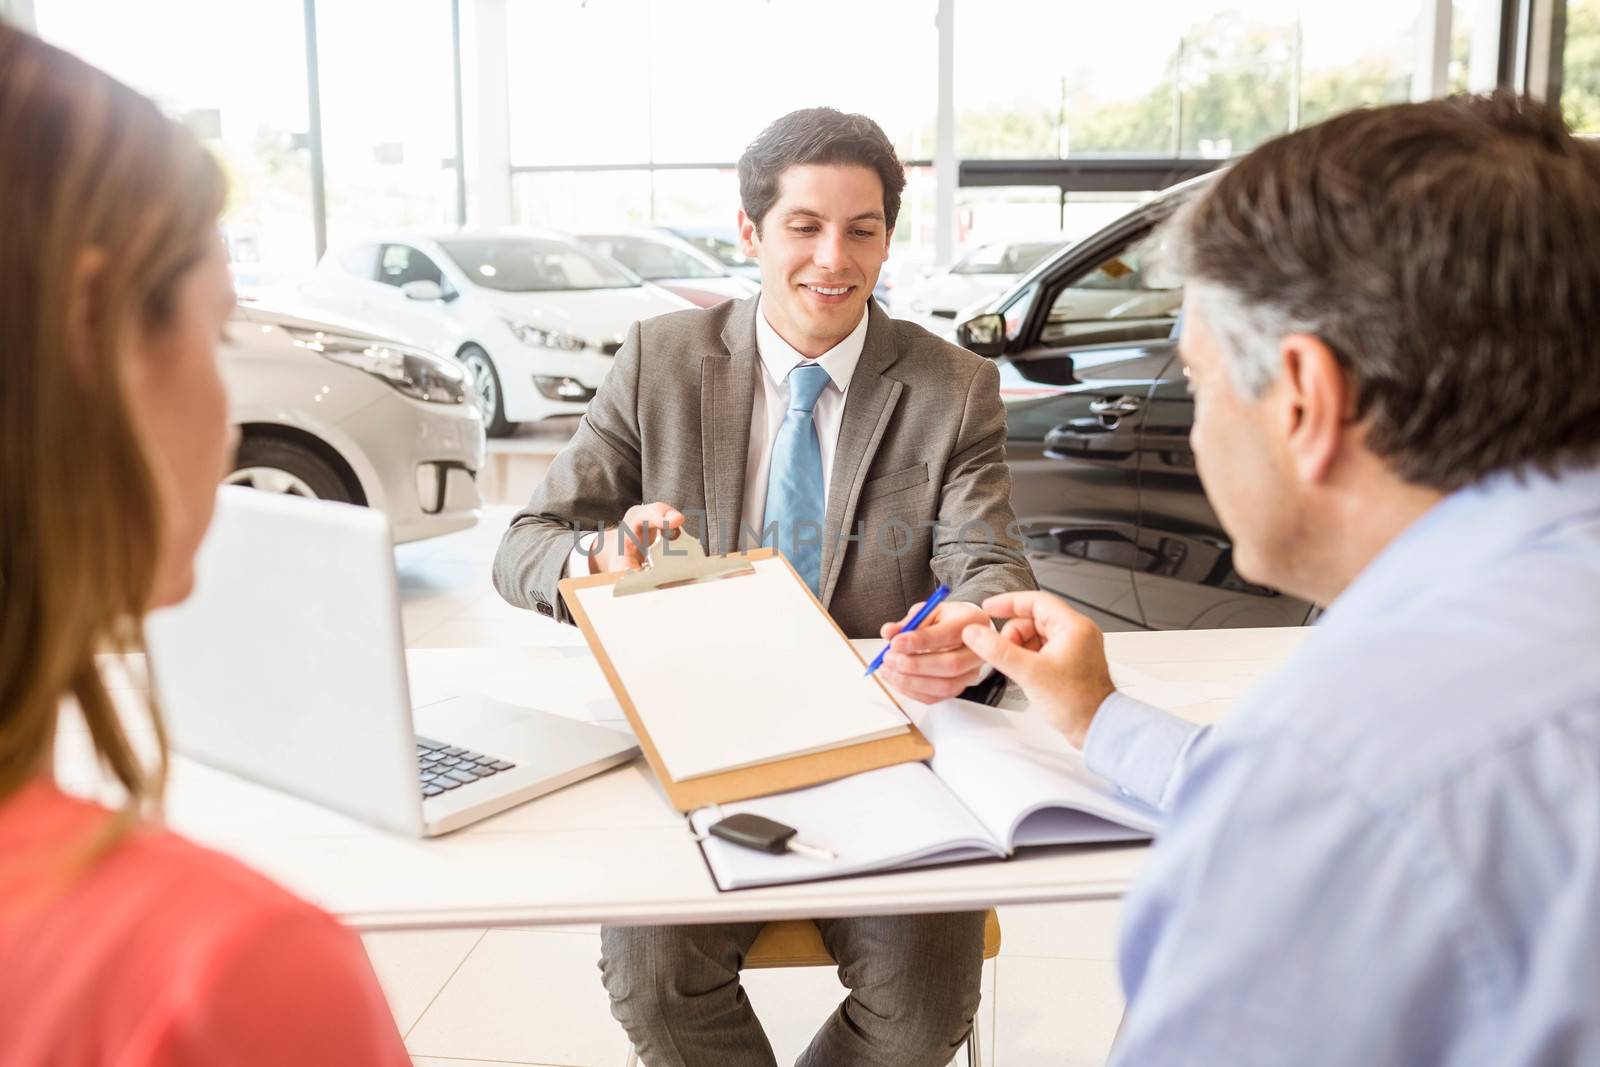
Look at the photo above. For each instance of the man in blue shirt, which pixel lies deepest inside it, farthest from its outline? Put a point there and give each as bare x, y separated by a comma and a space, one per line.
1389, 853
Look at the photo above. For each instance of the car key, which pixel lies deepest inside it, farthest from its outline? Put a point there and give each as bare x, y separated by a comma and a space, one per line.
765, 835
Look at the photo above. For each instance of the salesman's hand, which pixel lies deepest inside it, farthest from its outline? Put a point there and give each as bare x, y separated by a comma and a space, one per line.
1055, 654
618, 551
930, 663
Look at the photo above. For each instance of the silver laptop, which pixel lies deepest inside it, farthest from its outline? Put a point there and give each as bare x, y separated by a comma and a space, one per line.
287, 667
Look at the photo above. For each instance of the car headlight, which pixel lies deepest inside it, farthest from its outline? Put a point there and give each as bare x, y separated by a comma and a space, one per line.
418, 374
542, 338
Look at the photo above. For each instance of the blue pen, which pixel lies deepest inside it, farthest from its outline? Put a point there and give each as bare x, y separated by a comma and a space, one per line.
916, 620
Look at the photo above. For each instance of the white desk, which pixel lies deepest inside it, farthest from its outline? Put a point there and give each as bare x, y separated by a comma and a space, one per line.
610, 849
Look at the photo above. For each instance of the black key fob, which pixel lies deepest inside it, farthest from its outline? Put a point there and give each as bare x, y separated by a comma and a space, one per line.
753, 831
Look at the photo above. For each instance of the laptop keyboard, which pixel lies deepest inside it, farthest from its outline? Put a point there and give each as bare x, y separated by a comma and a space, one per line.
443, 767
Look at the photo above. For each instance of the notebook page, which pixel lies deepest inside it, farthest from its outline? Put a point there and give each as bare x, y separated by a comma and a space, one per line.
740, 671
1012, 770
897, 816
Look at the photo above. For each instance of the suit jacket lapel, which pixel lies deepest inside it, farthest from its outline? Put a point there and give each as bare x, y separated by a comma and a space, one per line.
727, 391
868, 406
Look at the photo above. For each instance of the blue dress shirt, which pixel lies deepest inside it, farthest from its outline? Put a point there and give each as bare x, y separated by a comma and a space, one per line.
1389, 853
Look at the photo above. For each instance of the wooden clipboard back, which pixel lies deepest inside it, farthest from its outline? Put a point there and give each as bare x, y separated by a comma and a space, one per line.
778, 776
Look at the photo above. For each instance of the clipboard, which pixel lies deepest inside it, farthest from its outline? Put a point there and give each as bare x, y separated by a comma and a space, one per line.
685, 563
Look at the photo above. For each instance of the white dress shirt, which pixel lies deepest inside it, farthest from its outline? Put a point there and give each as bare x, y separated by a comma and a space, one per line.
771, 402
767, 408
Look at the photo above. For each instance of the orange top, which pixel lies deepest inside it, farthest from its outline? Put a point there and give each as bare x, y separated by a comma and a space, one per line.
163, 952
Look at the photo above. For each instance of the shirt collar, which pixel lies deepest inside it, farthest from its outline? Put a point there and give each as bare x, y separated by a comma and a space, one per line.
1455, 538
780, 357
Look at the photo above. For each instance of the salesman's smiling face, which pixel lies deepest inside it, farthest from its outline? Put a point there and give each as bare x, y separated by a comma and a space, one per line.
820, 246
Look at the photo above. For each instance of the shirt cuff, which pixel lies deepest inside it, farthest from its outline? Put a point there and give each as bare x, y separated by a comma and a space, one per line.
1139, 748
577, 560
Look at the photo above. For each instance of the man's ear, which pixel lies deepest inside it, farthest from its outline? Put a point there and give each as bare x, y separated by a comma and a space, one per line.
749, 235
1316, 396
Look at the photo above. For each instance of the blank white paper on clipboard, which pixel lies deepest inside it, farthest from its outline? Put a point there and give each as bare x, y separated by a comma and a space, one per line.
739, 671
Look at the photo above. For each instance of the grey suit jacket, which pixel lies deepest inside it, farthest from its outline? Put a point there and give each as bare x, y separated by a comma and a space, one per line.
919, 492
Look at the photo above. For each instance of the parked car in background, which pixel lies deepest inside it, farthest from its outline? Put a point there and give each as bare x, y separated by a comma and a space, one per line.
534, 318
672, 263
331, 411
983, 273
1097, 424
721, 243
253, 280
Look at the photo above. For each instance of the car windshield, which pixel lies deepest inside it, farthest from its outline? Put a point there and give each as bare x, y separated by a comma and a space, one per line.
534, 265
720, 249
651, 260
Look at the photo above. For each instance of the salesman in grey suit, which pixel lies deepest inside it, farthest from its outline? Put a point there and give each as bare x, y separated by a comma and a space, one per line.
872, 454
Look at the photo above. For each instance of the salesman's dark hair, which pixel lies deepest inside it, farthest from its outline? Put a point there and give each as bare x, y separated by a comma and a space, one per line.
1448, 252
817, 135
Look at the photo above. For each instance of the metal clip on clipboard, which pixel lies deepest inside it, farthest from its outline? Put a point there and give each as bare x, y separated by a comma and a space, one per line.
681, 561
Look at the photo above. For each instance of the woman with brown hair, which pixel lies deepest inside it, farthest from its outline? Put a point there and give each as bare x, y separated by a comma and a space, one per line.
122, 943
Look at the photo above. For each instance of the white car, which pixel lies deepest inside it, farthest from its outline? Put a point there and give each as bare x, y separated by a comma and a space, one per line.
330, 411
533, 317
674, 264
979, 276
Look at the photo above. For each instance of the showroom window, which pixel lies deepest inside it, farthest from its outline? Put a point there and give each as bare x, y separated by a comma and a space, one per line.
243, 92
631, 112
1580, 66
388, 127
388, 116
1171, 78
693, 83
1164, 79
581, 200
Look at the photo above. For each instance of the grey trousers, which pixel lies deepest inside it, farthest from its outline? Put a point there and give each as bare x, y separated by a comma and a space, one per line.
913, 984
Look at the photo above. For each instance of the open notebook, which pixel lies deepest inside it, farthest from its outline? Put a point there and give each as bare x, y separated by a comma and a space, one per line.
999, 781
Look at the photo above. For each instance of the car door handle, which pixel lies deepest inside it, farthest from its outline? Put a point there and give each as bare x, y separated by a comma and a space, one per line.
1088, 438
1122, 405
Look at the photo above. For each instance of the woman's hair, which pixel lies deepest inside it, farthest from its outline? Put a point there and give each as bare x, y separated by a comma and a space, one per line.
105, 205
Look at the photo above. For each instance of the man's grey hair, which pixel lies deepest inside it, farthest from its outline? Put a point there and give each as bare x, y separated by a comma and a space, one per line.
1444, 251
1250, 333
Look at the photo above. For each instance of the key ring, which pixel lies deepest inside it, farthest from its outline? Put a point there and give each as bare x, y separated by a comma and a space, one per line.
714, 808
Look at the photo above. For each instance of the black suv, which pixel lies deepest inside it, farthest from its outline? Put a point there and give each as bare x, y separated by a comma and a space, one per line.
1098, 419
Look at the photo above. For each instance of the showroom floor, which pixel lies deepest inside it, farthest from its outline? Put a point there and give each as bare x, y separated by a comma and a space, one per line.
533, 996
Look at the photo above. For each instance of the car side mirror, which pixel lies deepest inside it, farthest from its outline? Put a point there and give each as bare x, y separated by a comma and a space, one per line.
984, 334
422, 290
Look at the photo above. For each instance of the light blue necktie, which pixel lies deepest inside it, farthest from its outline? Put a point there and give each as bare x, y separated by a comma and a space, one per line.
794, 484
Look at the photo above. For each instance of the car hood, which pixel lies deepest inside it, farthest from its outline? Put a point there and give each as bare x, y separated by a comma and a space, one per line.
599, 316
728, 285
283, 315
708, 292
952, 292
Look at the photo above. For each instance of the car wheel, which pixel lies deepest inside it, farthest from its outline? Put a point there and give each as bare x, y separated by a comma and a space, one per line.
278, 466
485, 382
